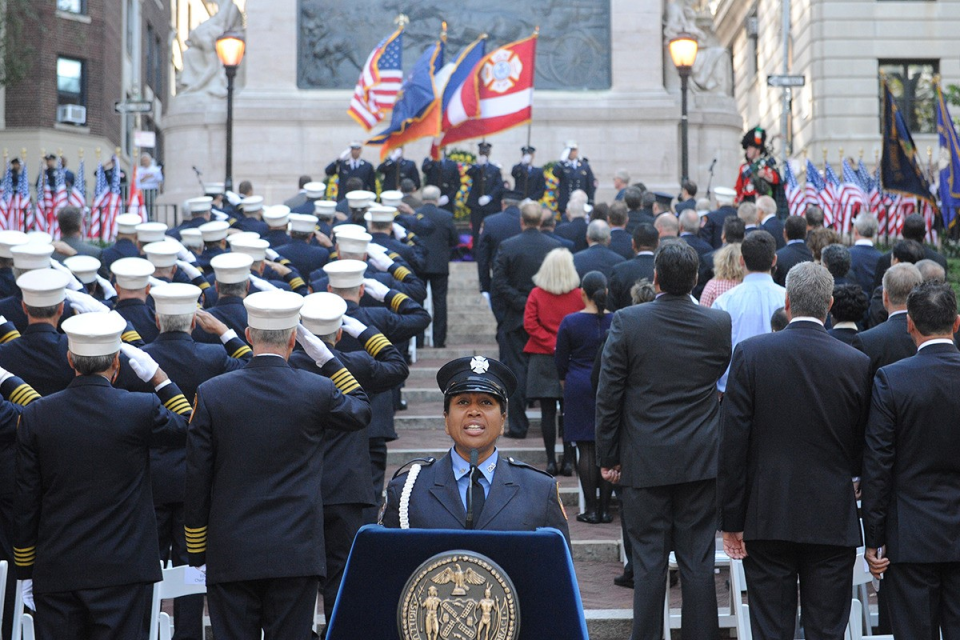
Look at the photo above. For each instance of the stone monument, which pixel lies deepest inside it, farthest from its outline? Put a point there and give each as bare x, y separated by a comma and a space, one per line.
603, 79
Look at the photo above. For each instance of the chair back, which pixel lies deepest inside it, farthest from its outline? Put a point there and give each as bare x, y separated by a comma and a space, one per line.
173, 585
738, 586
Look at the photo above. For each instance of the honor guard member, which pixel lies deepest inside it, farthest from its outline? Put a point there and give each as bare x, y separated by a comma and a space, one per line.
163, 256
357, 203
384, 231
347, 491
8, 240
232, 271
343, 206
199, 210
279, 275
528, 179
396, 169
192, 239
86, 537
126, 243
26, 257
410, 220
276, 217
304, 256
252, 220
326, 211
471, 487
86, 269
445, 174
758, 174
148, 232
486, 190
573, 173
214, 236
133, 286
256, 521
351, 165
315, 192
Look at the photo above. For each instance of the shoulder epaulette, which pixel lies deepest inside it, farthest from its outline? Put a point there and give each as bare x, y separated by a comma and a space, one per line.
524, 465
424, 462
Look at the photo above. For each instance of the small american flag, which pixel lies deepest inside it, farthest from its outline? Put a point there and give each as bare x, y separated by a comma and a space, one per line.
115, 202
6, 197
830, 196
98, 212
796, 199
818, 191
60, 197
24, 206
379, 82
78, 194
44, 201
853, 198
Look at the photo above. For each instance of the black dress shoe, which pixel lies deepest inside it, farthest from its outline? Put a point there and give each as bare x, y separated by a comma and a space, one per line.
402, 406
514, 435
566, 469
605, 517
624, 580
590, 517
552, 468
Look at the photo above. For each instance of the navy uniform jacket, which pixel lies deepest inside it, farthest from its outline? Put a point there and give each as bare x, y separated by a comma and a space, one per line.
712, 229
276, 238
441, 242
698, 244
39, 356
396, 172
625, 275
342, 168
636, 217
412, 254
249, 223
9, 417
11, 308
487, 181
521, 498
791, 255
305, 258
911, 474
84, 508
444, 174
306, 207
517, 262
8, 284
496, 229
230, 311
529, 181
689, 203
192, 223
251, 516
346, 454
203, 260
573, 175
576, 232
621, 243
141, 316
596, 258
886, 343
122, 248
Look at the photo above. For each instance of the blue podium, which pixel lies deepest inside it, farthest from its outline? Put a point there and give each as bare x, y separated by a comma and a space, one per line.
382, 560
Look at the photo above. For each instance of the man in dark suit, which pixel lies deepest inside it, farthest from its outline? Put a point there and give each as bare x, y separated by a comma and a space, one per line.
264, 550
597, 257
863, 255
914, 228
911, 475
496, 229
713, 224
486, 190
621, 242
625, 275
688, 197
301, 195
689, 223
575, 229
769, 222
351, 165
443, 173
639, 208
528, 179
396, 169
663, 452
436, 269
903, 252
796, 249
516, 263
785, 473
889, 341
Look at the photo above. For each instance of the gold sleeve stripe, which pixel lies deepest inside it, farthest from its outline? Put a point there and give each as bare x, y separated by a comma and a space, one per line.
130, 336
24, 550
352, 386
204, 285
24, 395
340, 374
376, 344
397, 301
344, 381
393, 255
7, 337
241, 351
283, 261
178, 404
401, 273
197, 530
297, 282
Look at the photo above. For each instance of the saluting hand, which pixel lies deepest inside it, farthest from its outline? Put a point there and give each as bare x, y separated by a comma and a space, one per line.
210, 323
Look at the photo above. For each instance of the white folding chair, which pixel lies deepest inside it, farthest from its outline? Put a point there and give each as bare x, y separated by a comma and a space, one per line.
173, 585
428, 306
3, 584
727, 615
738, 586
22, 622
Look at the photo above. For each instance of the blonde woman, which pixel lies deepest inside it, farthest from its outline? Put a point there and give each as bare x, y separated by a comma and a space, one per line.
555, 295
727, 273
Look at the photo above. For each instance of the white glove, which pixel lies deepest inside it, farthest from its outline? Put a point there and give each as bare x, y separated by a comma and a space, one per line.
273, 255
74, 284
3, 319
183, 253
565, 155
352, 326
380, 261
481, 160
108, 290
377, 290
84, 302
26, 588
399, 232
378, 249
142, 364
484, 200
486, 296
314, 346
218, 215
443, 200
261, 284
396, 154
191, 271
5, 375
345, 154
526, 159
233, 198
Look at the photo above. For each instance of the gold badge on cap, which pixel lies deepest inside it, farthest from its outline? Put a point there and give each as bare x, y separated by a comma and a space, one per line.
479, 364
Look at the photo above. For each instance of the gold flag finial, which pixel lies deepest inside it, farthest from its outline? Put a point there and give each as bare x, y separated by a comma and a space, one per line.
97, 152
443, 30
841, 153
401, 20
860, 154
80, 153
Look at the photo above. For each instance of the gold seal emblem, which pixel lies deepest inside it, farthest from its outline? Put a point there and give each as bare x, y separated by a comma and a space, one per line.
459, 595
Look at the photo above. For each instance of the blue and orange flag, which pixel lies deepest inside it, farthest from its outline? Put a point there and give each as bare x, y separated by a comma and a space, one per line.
899, 167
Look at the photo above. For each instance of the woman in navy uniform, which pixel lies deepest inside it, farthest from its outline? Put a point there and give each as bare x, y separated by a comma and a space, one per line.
471, 487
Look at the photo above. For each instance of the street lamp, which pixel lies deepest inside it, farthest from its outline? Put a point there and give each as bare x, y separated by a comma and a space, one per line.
683, 52
230, 48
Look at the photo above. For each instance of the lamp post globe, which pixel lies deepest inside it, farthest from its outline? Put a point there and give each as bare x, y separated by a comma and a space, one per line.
683, 52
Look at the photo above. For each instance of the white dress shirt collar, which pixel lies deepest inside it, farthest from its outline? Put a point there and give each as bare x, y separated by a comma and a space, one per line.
807, 319
933, 342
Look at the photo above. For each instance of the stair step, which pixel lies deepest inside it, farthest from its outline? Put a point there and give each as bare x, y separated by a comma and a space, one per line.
451, 353
609, 624
595, 550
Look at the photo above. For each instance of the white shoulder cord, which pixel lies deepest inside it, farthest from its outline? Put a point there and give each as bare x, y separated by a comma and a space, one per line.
405, 496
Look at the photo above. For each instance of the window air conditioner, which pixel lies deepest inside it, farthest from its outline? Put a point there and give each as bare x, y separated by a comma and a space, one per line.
72, 114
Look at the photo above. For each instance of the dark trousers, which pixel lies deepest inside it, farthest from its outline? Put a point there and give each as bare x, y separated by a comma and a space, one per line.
6, 553
438, 291
923, 599
512, 355
772, 568
108, 613
282, 607
627, 547
378, 469
680, 518
340, 525
187, 610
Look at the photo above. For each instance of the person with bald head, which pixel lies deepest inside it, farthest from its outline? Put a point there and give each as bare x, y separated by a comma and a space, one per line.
689, 221
931, 271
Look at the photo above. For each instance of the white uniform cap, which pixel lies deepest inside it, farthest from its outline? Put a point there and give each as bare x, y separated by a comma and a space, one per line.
175, 298
241, 236
256, 248
151, 232
84, 267
391, 198
214, 188
214, 231
32, 256
132, 273
315, 190
273, 310
325, 208
348, 229
199, 205
231, 268
191, 237
39, 237
162, 254
725, 195
302, 223
276, 216
322, 313
94, 334
353, 243
252, 203
43, 287
380, 214
572, 144
360, 199
10, 239
345, 274
356, 144
127, 223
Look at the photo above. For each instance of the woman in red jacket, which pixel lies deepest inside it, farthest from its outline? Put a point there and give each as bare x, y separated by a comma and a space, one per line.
555, 295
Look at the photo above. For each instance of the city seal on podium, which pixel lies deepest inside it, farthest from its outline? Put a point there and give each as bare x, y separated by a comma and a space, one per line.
459, 595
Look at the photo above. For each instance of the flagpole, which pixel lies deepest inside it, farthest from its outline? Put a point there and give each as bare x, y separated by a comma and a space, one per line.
536, 34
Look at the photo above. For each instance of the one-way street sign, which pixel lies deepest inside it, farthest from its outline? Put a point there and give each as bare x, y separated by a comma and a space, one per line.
785, 81
141, 106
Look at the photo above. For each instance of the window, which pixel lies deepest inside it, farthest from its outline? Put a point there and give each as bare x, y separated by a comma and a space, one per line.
129, 28
71, 83
72, 6
154, 70
911, 83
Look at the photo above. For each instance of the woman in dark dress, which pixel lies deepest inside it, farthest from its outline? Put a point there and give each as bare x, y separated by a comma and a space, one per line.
578, 340
849, 306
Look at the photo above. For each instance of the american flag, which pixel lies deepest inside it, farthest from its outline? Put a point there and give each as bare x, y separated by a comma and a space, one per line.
44, 202
865, 178
6, 197
876, 199
379, 82
115, 202
929, 216
853, 197
135, 204
60, 197
796, 199
830, 196
78, 194
819, 192
23, 206
101, 194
